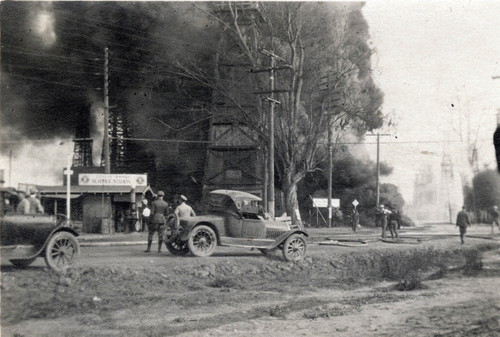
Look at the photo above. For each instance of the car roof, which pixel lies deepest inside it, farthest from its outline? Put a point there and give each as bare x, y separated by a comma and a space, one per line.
237, 195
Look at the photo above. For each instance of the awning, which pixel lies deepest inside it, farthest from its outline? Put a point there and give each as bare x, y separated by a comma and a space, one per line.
61, 196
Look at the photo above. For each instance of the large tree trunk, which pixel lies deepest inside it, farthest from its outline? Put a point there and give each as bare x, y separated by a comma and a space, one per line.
289, 186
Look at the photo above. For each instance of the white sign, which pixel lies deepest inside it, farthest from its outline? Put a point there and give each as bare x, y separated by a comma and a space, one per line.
112, 179
323, 202
355, 202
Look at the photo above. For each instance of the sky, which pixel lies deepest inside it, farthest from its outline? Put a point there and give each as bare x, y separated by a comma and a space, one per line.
435, 60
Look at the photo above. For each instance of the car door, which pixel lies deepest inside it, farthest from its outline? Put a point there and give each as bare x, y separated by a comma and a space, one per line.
253, 227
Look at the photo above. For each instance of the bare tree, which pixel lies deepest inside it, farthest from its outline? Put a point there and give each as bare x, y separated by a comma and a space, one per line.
317, 41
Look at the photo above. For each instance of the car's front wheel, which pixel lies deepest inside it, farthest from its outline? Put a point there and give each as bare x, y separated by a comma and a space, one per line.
202, 241
61, 250
294, 247
23, 263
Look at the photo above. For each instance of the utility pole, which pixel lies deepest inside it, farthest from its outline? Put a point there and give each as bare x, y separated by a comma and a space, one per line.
272, 100
324, 85
378, 165
107, 168
330, 170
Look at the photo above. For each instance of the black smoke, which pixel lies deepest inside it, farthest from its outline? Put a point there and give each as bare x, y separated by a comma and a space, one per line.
52, 75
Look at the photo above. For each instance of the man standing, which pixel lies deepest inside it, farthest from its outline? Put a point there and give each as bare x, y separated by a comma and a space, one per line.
159, 209
184, 210
23, 207
393, 222
355, 219
33, 204
145, 213
382, 219
495, 219
462, 222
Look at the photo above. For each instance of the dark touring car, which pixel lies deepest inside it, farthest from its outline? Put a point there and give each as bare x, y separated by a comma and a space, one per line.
23, 238
235, 219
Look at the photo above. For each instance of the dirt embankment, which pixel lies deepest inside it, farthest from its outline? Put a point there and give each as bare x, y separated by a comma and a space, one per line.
208, 293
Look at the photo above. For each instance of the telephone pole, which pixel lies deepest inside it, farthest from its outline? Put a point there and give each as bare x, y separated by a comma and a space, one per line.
272, 100
378, 164
107, 165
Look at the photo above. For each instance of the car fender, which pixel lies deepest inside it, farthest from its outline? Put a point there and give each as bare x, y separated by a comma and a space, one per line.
187, 230
280, 239
40, 249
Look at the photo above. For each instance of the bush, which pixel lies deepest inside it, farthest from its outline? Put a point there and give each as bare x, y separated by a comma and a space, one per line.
413, 281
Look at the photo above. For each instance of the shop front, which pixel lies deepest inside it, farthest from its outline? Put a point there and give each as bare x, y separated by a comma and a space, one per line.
100, 203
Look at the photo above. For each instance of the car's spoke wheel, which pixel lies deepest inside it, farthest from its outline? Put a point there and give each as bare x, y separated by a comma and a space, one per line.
23, 263
202, 241
177, 247
61, 250
294, 247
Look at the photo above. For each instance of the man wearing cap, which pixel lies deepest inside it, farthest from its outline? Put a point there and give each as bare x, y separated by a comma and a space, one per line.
35, 207
184, 210
159, 210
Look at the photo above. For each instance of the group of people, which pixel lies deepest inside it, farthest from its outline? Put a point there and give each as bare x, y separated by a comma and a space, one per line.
388, 219
385, 218
30, 205
155, 217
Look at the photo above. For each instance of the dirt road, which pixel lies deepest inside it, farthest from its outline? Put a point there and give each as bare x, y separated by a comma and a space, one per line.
344, 291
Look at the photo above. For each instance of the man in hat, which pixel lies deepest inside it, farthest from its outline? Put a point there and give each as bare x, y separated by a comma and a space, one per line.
159, 211
184, 210
35, 207
462, 222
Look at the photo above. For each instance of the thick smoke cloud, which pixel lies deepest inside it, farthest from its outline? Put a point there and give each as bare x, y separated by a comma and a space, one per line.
52, 61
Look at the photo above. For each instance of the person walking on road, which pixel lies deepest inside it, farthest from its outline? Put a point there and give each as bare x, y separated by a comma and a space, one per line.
159, 211
495, 215
184, 210
462, 222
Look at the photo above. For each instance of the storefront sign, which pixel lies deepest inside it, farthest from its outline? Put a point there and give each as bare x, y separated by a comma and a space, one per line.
112, 179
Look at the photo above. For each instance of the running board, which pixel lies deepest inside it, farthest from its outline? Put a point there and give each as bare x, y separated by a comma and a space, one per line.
247, 242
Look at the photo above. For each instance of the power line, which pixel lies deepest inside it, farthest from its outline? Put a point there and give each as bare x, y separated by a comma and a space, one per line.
52, 82
50, 69
61, 58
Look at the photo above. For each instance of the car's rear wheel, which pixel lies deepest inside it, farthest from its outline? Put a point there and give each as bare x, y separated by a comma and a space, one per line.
202, 241
23, 263
61, 250
178, 248
294, 247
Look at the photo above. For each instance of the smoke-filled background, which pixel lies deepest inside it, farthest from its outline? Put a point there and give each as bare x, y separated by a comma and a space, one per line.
53, 79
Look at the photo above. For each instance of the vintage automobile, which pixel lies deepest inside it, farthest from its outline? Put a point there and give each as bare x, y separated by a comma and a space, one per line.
234, 219
23, 238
